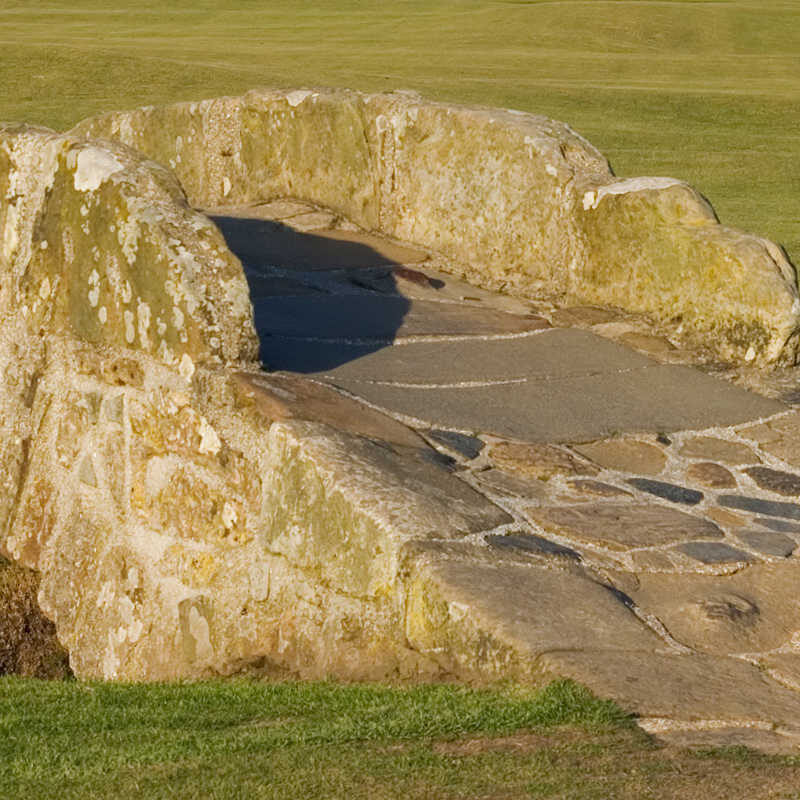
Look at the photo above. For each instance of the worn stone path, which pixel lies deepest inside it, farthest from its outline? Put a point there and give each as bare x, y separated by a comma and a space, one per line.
655, 507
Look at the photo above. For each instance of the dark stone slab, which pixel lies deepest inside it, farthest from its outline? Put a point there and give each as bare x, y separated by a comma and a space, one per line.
778, 525
713, 552
769, 543
533, 544
756, 505
668, 491
467, 446
775, 480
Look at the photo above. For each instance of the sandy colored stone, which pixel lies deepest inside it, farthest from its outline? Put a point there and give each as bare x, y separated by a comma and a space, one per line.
558, 223
709, 474
709, 448
680, 687
540, 461
583, 315
619, 526
479, 615
626, 455
648, 343
652, 561
750, 611
760, 433
505, 483
726, 518
783, 667
778, 743
597, 488
281, 396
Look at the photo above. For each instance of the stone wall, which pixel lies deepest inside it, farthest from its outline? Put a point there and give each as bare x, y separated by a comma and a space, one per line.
516, 200
175, 526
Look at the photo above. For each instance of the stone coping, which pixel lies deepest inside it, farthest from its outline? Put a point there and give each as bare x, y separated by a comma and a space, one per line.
517, 201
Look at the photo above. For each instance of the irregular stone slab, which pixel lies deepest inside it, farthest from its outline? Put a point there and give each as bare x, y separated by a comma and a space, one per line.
626, 455
648, 343
778, 525
550, 355
530, 489
714, 553
712, 475
385, 319
467, 446
261, 243
751, 611
668, 491
529, 542
758, 506
540, 461
312, 221
725, 517
777, 743
479, 615
710, 448
583, 315
775, 480
619, 526
662, 398
597, 488
680, 687
783, 667
769, 543
278, 396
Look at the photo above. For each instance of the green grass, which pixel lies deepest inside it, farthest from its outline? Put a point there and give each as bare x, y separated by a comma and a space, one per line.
704, 91
246, 739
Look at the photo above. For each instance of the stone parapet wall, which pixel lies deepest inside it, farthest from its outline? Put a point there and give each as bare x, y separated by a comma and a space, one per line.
514, 199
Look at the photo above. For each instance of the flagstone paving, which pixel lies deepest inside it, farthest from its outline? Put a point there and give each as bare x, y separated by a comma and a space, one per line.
648, 543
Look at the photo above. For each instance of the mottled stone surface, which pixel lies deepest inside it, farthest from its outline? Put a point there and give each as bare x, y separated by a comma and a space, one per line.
775, 480
710, 474
503, 482
770, 543
714, 552
626, 455
467, 446
528, 542
597, 488
619, 526
667, 491
559, 222
710, 448
538, 461
758, 506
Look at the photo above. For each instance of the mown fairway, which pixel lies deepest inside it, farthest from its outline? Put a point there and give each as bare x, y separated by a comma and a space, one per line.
705, 91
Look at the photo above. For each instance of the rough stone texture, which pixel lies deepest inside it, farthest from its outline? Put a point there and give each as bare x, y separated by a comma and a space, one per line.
714, 553
538, 461
701, 688
558, 222
597, 488
617, 526
28, 644
775, 480
712, 449
710, 474
477, 615
769, 543
667, 491
626, 455
752, 611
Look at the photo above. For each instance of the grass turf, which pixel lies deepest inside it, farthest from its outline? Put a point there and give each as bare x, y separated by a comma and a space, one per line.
245, 739
704, 91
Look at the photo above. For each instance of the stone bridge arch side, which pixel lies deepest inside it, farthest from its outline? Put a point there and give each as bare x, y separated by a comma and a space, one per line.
517, 201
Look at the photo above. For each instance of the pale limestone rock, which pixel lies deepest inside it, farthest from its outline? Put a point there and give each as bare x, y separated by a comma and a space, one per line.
515, 200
